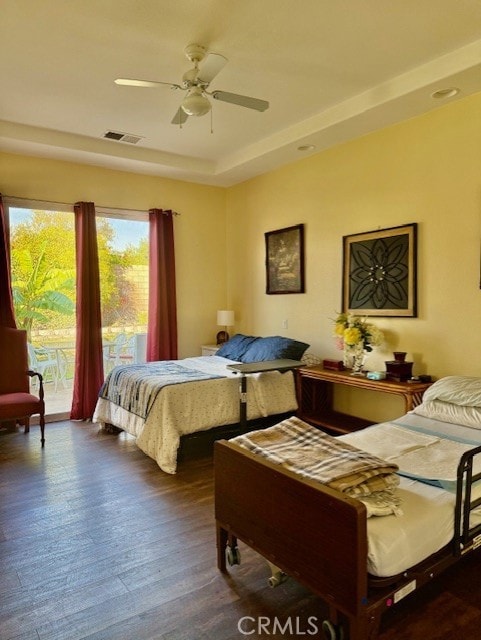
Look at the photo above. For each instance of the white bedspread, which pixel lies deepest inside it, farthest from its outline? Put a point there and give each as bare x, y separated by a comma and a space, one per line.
419, 447
200, 405
430, 456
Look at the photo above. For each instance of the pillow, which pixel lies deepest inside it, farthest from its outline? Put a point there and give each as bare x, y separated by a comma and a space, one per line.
449, 412
459, 390
273, 348
235, 348
309, 360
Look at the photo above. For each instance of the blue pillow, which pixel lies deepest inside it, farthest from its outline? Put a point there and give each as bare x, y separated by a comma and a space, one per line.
273, 348
235, 348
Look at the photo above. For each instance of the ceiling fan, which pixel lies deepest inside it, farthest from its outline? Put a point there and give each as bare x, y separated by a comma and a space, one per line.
196, 81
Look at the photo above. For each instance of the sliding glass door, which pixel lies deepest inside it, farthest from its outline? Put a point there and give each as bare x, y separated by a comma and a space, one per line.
42, 245
43, 282
124, 288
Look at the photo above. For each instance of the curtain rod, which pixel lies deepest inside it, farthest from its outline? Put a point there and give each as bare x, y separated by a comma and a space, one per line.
69, 204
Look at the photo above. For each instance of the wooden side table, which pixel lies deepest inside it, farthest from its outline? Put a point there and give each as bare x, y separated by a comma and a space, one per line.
209, 349
315, 391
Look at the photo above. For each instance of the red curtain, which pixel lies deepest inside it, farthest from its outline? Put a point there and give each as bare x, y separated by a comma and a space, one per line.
7, 315
89, 370
162, 321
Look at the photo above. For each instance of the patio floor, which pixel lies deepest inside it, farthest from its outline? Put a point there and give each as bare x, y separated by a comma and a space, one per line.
57, 401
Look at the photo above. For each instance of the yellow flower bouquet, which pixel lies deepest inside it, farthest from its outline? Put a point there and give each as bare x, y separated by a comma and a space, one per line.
356, 336
351, 331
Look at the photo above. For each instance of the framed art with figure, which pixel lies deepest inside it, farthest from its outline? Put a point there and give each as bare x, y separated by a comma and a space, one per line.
379, 272
285, 260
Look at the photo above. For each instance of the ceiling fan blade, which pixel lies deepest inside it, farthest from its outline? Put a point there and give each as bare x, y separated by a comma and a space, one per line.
180, 117
210, 67
243, 101
129, 82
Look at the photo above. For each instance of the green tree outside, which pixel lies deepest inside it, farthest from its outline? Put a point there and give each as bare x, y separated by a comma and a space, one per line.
41, 292
43, 272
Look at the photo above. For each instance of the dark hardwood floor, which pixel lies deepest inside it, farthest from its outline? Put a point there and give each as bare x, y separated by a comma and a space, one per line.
96, 542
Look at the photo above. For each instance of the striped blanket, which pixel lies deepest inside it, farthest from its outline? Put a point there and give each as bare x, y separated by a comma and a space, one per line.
135, 387
313, 454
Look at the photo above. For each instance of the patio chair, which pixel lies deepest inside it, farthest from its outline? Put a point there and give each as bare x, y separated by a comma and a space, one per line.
121, 351
65, 362
17, 404
127, 351
45, 362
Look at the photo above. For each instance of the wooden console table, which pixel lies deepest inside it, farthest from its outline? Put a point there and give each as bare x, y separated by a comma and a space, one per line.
315, 390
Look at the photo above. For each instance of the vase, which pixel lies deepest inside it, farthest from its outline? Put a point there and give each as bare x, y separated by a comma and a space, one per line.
358, 356
347, 357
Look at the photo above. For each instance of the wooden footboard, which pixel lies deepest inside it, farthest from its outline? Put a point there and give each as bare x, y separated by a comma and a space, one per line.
311, 532
319, 536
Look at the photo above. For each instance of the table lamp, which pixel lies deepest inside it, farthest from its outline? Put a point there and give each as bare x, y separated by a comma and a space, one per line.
224, 319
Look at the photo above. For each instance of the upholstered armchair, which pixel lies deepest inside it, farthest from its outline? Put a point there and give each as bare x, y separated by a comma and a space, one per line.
17, 404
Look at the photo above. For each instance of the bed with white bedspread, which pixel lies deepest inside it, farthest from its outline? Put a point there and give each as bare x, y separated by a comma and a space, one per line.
160, 402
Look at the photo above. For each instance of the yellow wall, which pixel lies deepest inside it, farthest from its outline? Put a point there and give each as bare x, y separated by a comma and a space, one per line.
199, 230
425, 170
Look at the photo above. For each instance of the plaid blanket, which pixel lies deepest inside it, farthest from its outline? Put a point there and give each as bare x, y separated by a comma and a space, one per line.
135, 387
313, 454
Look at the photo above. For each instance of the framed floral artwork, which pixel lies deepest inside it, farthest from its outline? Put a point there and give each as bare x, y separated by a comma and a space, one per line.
285, 260
379, 272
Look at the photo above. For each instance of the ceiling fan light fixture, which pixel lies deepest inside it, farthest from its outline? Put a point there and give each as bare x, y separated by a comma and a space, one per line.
195, 104
196, 82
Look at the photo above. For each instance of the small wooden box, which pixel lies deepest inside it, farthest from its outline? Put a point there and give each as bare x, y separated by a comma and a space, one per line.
333, 365
399, 371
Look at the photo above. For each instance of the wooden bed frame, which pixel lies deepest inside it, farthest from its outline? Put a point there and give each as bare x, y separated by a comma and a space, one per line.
201, 443
319, 537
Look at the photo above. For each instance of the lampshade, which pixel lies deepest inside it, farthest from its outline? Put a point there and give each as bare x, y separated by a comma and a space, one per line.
195, 104
225, 318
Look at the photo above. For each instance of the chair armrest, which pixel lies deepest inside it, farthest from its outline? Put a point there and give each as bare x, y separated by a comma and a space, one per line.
34, 374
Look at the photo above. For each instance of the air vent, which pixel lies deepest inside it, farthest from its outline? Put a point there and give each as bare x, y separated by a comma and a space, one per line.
122, 137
